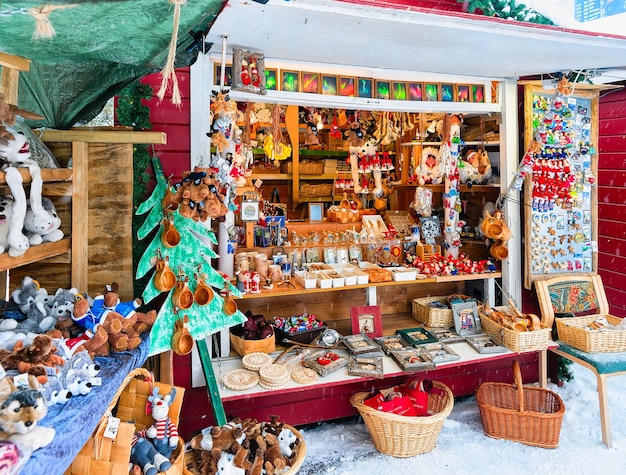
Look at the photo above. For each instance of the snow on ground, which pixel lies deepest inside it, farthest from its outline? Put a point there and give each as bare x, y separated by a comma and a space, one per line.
345, 447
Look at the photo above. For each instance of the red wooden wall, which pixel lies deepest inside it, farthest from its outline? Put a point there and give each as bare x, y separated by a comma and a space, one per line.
612, 198
174, 121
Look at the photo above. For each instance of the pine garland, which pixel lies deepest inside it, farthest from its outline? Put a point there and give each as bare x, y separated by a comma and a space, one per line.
131, 111
508, 9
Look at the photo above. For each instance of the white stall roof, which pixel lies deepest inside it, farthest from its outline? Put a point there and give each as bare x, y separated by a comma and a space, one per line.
410, 39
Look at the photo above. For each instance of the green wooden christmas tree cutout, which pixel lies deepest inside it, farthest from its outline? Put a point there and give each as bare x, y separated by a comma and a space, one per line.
189, 259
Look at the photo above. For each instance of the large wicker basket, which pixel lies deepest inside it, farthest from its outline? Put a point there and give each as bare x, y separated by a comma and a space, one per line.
306, 168
514, 340
572, 331
432, 316
404, 436
101, 455
528, 415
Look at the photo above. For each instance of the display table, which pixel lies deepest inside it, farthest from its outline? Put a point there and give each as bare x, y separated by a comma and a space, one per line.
329, 397
75, 421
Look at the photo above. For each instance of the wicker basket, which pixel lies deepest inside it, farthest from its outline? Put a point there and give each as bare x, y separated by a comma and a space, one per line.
433, 317
514, 340
572, 331
102, 456
322, 189
192, 455
306, 168
528, 415
404, 436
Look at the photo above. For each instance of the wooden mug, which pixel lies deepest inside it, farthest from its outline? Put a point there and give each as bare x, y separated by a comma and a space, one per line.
229, 306
164, 277
170, 237
203, 294
182, 342
183, 297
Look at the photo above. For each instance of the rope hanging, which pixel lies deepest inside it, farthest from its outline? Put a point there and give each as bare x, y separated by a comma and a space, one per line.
43, 26
168, 71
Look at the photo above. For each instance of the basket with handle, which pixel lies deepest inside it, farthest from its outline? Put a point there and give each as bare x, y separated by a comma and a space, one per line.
406, 436
433, 316
528, 415
102, 455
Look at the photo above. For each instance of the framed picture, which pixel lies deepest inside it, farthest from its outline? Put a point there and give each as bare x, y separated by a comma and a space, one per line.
399, 91
271, 79
366, 320
290, 81
316, 212
383, 90
462, 94
466, 319
248, 71
329, 85
477, 93
347, 86
228, 75
415, 91
431, 92
311, 82
250, 211
447, 92
364, 87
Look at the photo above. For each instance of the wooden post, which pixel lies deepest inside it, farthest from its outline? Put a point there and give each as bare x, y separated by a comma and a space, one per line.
211, 383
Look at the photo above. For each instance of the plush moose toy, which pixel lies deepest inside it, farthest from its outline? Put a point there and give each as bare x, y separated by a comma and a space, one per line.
163, 434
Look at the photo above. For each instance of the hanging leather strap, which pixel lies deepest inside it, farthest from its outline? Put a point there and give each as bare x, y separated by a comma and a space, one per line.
275, 198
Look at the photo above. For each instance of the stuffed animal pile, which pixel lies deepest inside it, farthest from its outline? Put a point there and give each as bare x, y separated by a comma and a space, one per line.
243, 447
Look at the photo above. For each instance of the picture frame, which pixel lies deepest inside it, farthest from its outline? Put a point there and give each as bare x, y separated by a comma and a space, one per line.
399, 91
310, 82
462, 93
366, 320
271, 79
316, 212
364, 87
383, 90
415, 91
431, 92
466, 318
290, 81
447, 92
347, 86
228, 75
329, 84
248, 71
477, 93
250, 211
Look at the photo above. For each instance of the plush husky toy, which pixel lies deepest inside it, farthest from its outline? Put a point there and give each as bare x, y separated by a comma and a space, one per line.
22, 406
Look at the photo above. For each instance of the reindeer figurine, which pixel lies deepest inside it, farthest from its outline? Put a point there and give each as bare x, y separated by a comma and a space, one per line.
163, 433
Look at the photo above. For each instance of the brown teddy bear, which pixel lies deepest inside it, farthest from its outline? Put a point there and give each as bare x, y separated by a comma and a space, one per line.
32, 359
135, 322
112, 325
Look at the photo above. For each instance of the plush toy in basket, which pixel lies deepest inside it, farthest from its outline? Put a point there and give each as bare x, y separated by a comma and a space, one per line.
246, 446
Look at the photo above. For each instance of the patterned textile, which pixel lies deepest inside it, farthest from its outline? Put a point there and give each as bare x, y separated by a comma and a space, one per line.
573, 297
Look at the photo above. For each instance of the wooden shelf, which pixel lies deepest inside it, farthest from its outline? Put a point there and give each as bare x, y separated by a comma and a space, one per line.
35, 254
286, 290
463, 144
47, 175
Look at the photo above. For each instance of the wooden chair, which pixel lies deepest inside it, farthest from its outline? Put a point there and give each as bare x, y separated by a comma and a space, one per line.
555, 297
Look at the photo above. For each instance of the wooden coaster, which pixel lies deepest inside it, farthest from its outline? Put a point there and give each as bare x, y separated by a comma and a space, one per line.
241, 379
304, 376
254, 361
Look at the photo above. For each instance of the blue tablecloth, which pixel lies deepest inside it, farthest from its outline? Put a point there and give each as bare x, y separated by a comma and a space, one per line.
75, 421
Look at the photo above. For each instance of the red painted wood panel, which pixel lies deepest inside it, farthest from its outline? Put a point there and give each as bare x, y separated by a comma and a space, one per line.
611, 177
613, 126
615, 160
609, 259
612, 211
612, 143
612, 229
442, 5
611, 194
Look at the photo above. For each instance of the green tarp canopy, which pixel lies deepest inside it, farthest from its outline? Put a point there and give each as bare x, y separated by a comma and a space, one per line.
98, 48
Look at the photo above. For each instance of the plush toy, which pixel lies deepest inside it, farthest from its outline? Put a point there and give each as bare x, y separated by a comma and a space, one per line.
144, 455
34, 359
431, 171
286, 438
38, 319
77, 381
17, 308
227, 437
61, 308
54, 392
226, 465
92, 323
82, 360
16, 154
51, 234
163, 434
142, 321
22, 406
354, 136
475, 168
